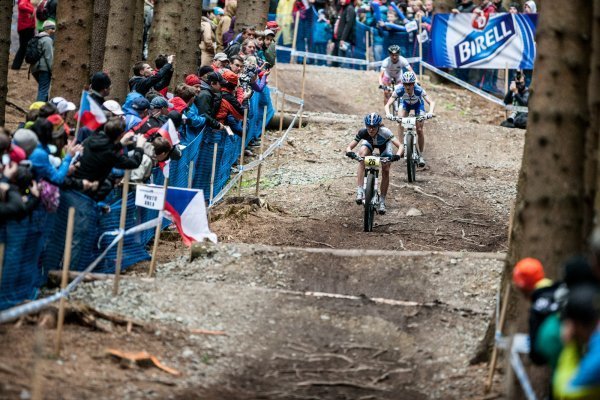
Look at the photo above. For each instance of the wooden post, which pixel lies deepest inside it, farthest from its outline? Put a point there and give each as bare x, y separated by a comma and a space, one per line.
488, 384
157, 233
294, 40
506, 86
420, 49
280, 127
276, 80
213, 172
37, 392
65, 278
241, 162
262, 141
121, 227
191, 175
1, 262
367, 49
302, 91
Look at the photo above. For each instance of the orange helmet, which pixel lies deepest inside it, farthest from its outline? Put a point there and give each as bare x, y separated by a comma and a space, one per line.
527, 273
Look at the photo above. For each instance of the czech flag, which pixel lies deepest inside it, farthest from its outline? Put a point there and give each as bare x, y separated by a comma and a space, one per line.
169, 132
90, 113
186, 208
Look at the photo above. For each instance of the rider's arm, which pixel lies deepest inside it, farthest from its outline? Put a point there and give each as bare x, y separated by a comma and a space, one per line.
381, 76
430, 102
396, 143
389, 103
352, 145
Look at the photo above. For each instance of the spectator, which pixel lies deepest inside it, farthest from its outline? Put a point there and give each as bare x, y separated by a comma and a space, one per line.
322, 35
208, 45
530, 7
155, 151
100, 87
270, 48
26, 139
231, 110
464, 6
113, 108
518, 95
499, 7
183, 102
514, 8
208, 101
193, 81
144, 78
157, 116
227, 25
26, 30
40, 161
235, 47
344, 34
236, 64
219, 62
248, 48
136, 112
162, 86
219, 15
63, 106
103, 152
42, 69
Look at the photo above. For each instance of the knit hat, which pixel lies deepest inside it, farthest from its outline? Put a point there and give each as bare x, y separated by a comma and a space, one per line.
100, 81
37, 105
205, 69
48, 24
527, 273
26, 139
273, 25
192, 80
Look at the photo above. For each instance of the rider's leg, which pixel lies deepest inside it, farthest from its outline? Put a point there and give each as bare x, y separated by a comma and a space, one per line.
385, 179
404, 114
360, 193
421, 136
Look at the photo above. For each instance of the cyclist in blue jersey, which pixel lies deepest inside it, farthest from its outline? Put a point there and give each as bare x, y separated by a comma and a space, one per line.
412, 97
374, 136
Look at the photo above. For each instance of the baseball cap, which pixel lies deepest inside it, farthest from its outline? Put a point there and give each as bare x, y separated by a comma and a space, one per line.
100, 80
63, 105
218, 11
160, 102
215, 77
221, 57
140, 104
230, 77
527, 273
113, 107
268, 32
48, 25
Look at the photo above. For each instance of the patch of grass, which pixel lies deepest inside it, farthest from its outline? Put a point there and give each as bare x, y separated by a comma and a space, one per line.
450, 106
206, 359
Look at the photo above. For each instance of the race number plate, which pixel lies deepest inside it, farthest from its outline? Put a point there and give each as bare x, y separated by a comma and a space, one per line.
372, 162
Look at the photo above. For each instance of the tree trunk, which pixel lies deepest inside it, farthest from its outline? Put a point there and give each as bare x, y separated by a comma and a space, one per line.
138, 32
594, 108
166, 28
72, 47
6, 9
252, 13
119, 39
188, 52
99, 30
548, 222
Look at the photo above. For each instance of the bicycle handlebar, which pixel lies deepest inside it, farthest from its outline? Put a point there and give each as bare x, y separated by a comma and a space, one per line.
418, 117
358, 158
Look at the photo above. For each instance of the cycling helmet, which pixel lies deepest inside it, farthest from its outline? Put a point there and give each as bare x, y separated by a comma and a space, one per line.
409, 77
373, 119
394, 49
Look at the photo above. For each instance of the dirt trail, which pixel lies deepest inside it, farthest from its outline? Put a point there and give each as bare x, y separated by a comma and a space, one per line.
413, 297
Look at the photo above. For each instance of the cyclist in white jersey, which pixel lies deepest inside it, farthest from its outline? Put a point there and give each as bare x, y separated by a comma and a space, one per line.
391, 70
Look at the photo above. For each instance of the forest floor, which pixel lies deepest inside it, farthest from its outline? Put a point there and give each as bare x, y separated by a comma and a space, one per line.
310, 306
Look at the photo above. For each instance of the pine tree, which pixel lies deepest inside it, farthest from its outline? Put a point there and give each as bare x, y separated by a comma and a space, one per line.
252, 13
99, 30
188, 52
166, 28
138, 32
6, 11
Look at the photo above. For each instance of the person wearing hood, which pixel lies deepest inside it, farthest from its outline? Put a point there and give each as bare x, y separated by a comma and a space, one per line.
183, 102
144, 77
208, 101
208, 45
231, 111
42, 69
530, 7
138, 111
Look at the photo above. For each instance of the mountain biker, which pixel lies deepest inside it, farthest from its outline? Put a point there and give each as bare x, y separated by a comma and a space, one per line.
412, 97
391, 70
377, 136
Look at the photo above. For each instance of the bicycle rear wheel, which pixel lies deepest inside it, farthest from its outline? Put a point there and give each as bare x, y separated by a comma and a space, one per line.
411, 162
369, 208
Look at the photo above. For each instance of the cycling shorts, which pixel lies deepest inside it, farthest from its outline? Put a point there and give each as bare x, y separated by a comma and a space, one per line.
385, 150
418, 108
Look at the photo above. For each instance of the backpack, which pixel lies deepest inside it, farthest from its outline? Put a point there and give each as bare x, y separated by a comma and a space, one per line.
230, 34
41, 11
33, 52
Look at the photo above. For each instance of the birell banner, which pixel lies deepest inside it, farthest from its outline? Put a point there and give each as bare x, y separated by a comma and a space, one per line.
468, 41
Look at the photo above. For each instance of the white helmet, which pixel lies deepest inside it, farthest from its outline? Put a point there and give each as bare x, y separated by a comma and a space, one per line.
409, 77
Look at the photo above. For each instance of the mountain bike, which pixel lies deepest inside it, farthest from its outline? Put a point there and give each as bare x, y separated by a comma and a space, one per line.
411, 146
371, 187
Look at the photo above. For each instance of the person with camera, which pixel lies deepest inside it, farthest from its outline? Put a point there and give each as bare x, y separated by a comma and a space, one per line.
144, 77
517, 95
208, 101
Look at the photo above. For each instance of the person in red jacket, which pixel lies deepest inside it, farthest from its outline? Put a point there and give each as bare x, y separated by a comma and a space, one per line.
26, 29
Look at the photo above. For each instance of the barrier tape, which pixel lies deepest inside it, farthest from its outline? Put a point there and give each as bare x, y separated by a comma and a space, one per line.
473, 89
291, 99
517, 365
255, 163
346, 60
38, 305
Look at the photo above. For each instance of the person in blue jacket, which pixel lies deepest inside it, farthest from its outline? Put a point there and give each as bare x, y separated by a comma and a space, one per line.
322, 35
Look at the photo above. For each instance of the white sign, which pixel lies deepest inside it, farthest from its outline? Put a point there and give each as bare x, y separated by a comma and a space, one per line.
423, 37
411, 26
150, 196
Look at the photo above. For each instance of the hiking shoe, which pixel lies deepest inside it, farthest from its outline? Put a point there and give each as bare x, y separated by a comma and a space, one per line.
360, 196
421, 162
381, 209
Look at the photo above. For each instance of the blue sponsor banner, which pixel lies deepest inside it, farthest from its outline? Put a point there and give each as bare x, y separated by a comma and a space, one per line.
504, 41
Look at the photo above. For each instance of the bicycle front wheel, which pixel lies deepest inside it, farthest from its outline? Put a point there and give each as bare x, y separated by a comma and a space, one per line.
369, 207
411, 162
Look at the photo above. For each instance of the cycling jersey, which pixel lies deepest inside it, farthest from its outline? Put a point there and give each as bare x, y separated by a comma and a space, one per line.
393, 70
411, 102
382, 141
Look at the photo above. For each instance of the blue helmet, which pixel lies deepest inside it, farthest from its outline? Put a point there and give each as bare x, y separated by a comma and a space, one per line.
373, 119
409, 77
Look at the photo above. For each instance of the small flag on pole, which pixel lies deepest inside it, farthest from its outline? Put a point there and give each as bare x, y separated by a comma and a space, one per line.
186, 208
